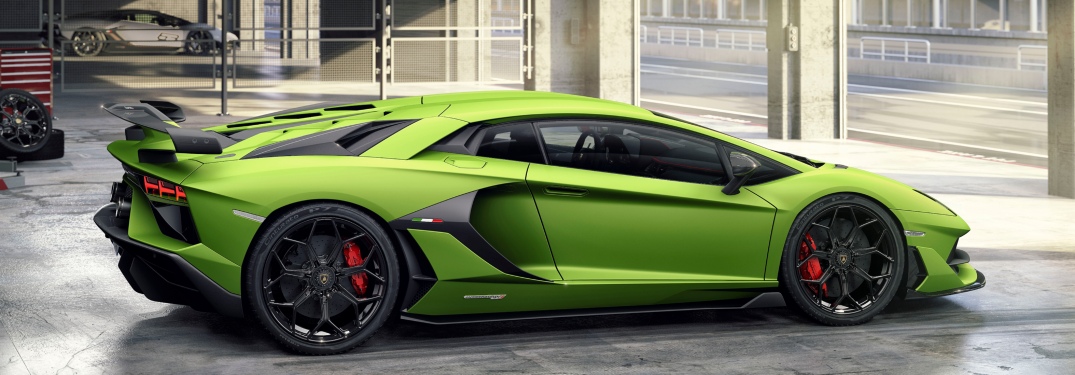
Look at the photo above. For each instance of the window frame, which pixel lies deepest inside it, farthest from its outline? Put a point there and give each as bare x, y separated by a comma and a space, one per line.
718, 145
467, 140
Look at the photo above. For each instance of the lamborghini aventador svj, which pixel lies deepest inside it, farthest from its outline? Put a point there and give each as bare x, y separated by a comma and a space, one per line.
322, 222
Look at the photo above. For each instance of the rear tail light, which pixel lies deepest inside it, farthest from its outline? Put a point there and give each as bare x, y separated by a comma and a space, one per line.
163, 189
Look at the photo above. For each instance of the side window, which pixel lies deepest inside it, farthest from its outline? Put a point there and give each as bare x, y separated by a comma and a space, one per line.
631, 149
512, 142
145, 18
767, 169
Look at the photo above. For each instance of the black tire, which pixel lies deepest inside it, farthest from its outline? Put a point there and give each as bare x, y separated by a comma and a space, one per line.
200, 43
25, 123
87, 43
825, 252
279, 271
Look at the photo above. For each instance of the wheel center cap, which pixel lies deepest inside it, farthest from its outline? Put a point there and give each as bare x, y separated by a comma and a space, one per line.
18, 121
843, 257
323, 278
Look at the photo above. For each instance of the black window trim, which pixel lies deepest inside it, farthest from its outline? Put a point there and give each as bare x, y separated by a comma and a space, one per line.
463, 139
718, 145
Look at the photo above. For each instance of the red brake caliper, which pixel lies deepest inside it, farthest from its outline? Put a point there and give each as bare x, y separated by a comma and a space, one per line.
353, 257
811, 270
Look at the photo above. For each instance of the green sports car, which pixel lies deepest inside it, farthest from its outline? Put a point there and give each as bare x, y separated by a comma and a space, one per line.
322, 222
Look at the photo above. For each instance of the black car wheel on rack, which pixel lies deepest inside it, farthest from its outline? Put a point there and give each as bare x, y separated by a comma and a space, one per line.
25, 125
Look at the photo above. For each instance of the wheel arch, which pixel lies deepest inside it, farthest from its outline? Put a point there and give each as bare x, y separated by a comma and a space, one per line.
888, 211
413, 265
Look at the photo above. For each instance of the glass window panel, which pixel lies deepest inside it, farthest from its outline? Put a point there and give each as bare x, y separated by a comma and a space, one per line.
1019, 15
921, 13
987, 15
733, 9
872, 12
655, 7
897, 12
678, 9
694, 8
754, 10
958, 14
711, 9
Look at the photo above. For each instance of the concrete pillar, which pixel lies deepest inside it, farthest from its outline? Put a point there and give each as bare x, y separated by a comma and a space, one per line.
586, 47
1061, 72
468, 55
807, 84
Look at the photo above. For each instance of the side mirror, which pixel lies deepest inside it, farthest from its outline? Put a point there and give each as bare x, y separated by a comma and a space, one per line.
173, 111
743, 166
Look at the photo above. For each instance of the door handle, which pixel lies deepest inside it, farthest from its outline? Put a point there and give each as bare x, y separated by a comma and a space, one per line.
566, 191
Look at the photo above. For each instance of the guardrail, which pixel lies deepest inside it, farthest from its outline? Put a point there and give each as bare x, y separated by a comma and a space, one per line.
674, 35
752, 40
906, 54
1019, 63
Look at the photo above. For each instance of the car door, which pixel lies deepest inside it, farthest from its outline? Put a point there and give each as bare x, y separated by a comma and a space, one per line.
144, 29
505, 214
625, 201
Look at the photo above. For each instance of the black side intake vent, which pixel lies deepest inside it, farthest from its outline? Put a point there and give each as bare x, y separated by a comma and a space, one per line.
297, 116
351, 107
364, 138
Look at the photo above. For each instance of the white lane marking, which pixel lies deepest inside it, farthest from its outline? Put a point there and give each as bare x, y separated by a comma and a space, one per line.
951, 104
949, 143
865, 94
704, 108
1024, 102
706, 77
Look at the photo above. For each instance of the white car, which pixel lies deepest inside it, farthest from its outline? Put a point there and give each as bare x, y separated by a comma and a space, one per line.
89, 34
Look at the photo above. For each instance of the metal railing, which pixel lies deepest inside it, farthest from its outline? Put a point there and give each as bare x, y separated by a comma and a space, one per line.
906, 53
271, 62
675, 35
751, 40
1020, 63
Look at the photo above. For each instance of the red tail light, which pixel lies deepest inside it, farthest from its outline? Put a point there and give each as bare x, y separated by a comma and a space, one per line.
163, 189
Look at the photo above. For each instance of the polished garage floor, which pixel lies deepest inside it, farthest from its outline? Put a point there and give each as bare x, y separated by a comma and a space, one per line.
65, 308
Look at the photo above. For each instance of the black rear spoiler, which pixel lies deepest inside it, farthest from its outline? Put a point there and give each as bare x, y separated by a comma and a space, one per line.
149, 114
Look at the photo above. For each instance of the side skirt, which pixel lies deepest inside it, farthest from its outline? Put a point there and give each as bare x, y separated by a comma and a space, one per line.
768, 299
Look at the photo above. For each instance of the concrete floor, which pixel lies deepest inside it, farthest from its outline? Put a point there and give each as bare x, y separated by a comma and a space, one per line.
65, 308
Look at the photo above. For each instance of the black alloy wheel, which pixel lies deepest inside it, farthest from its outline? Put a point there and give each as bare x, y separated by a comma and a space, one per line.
322, 279
200, 43
844, 260
87, 43
25, 124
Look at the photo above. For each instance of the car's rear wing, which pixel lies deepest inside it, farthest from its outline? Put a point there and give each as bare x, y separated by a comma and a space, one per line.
151, 115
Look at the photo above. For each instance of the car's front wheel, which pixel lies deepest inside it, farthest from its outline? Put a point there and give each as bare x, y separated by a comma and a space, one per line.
322, 278
87, 43
844, 260
200, 43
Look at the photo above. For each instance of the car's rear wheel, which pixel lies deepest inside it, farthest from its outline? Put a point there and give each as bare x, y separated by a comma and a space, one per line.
843, 261
200, 43
25, 125
322, 278
87, 43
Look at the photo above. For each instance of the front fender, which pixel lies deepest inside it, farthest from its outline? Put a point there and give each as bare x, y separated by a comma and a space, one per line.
792, 194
